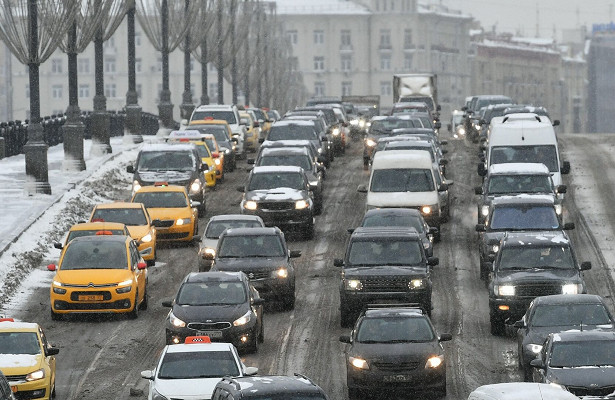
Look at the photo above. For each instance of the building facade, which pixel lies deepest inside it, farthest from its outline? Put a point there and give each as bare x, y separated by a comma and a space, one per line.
601, 85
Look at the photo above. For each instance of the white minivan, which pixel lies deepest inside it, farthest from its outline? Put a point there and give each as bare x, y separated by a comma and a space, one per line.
405, 178
521, 391
524, 138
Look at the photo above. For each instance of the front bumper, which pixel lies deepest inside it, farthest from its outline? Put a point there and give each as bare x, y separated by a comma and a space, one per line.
274, 288
107, 301
240, 336
40, 389
355, 301
282, 218
516, 307
182, 233
393, 377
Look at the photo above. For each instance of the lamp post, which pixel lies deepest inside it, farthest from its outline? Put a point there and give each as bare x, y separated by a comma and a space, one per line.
133, 109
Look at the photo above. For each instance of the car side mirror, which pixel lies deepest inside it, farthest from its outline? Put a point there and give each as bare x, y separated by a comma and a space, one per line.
234, 140
362, 189
480, 228
439, 108
568, 226
258, 302
586, 265
295, 253
350, 230
141, 265
51, 267
58, 245
167, 303
204, 167
481, 156
437, 125
250, 371
444, 161
561, 189
433, 261
261, 140
464, 108
345, 339
537, 363
241, 189
51, 351
556, 122
195, 204
130, 169
565, 168
250, 161
482, 171
149, 374
445, 337
433, 230
491, 257
478, 190
519, 324
443, 187
338, 262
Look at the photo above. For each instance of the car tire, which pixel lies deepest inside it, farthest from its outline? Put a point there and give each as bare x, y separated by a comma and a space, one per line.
144, 303
498, 327
365, 164
438, 236
53, 390
288, 303
354, 393
203, 207
318, 207
308, 231
134, 314
253, 347
261, 334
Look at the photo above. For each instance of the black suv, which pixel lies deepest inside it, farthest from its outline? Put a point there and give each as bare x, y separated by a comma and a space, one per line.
174, 164
281, 196
394, 347
529, 265
261, 387
261, 253
223, 306
384, 264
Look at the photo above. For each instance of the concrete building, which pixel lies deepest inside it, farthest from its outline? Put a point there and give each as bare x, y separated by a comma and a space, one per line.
354, 47
601, 85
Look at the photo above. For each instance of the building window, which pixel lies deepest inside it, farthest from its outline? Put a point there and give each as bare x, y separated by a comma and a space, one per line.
109, 64
109, 43
319, 89
385, 38
110, 90
408, 39
292, 36
346, 88
319, 37
319, 64
84, 91
139, 88
346, 62
385, 62
159, 64
346, 39
212, 67
191, 64
56, 92
56, 66
138, 65
294, 62
213, 92
27, 91
137, 38
385, 88
407, 61
83, 66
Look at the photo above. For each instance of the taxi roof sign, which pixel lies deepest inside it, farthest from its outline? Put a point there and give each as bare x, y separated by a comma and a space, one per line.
161, 184
187, 134
104, 233
7, 320
197, 339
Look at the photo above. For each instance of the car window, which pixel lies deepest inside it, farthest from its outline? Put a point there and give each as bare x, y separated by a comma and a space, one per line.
299, 160
382, 330
534, 257
582, 354
292, 132
81, 233
19, 343
228, 116
161, 199
203, 150
215, 228
402, 180
546, 155
267, 181
526, 217
126, 216
569, 314
95, 255
251, 246
393, 220
196, 365
165, 161
504, 184
211, 293
385, 252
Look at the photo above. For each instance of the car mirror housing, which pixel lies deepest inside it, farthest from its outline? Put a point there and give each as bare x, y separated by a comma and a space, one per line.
338, 262
537, 363
433, 261
586, 265
149, 374
446, 337
478, 190
362, 189
519, 324
565, 168
480, 228
167, 303
345, 339
130, 169
250, 371
569, 226
295, 253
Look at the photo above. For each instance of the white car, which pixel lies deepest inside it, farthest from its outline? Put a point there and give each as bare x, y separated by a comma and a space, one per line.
191, 370
228, 113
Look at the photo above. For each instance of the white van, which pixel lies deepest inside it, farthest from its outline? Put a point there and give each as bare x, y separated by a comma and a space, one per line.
405, 178
524, 138
521, 391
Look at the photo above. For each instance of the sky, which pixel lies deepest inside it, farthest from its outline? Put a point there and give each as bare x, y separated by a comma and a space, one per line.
521, 15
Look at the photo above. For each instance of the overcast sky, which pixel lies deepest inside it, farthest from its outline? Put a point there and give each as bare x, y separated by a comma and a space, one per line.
520, 15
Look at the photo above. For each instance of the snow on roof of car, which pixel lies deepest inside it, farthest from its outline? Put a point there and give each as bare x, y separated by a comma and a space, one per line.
198, 347
168, 147
277, 168
518, 168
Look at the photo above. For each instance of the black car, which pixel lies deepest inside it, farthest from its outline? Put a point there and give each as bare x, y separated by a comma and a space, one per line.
582, 362
532, 213
403, 218
299, 130
224, 306
383, 126
261, 253
384, 264
6, 393
298, 157
552, 314
281, 196
175, 164
335, 123
529, 265
393, 347
263, 387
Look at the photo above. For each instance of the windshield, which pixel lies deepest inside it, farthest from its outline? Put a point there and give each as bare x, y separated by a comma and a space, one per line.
251, 246
93, 232
385, 252
211, 293
385, 126
410, 146
99, 254
219, 131
506, 184
394, 220
402, 180
267, 181
259, 114
228, 116
19, 343
582, 354
215, 228
418, 99
480, 103
292, 132
165, 161
387, 330
203, 150
126, 216
545, 154
524, 217
202, 364
531, 257
570, 314
457, 119
211, 144
161, 199
298, 160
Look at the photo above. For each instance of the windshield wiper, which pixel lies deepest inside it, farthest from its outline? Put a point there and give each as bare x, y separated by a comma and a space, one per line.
549, 267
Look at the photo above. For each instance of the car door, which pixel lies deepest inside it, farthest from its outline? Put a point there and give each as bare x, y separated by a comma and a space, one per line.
140, 274
49, 359
539, 374
257, 309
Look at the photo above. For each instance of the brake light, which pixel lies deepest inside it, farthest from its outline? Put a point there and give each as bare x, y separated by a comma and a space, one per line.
197, 339
7, 320
184, 140
215, 155
209, 118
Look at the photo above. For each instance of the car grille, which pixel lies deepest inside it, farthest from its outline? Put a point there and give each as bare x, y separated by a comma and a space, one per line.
74, 296
167, 223
16, 378
91, 285
258, 274
276, 205
397, 367
172, 236
204, 326
583, 391
538, 289
385, 285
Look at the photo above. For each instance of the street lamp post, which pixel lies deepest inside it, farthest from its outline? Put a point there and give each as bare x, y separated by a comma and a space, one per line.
133, 109
187, 106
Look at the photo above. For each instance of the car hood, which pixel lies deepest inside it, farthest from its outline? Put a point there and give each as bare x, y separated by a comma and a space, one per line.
537, 335
536, 275
395, 352
138, 231
164, 176
384, 270
590, 377
20, 364
169, 213
187, 389
277, 194
248, 263
217, 313
93, 276
402, 199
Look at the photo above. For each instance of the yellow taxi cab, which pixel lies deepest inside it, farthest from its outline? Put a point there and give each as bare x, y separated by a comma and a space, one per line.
136, 219
252, 131
93, 228
224, 136
217, 153
175, 215
27, 359
195, 137
99, 274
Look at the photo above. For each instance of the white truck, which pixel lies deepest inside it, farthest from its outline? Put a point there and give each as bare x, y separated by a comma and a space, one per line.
416, 87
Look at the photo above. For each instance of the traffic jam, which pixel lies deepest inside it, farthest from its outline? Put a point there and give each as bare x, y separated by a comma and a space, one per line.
248, 201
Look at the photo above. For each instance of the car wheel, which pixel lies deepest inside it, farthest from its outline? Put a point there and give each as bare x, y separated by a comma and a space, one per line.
253, 347
261, 334
497, 325
134, 314
202, 209
438, 235
53, 391
289, 302
144, 303
318, 208
354, 393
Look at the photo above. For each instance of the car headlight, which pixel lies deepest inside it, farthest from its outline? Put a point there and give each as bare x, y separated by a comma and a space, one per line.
319, 150
210, 251
354, 284
217, 161
495, 248
250, 205
476, 126
244, 319
416, 284
558, 209
301, 204
136, 186
195, 186
234, 147
484, 211
504, 290
176, 322
36, 375
434, 362
426, 210
124, 289
280, 273
370, 142
227, 151
212, 166
58, 290
534, 348
461, 131
336, 131
147, 238
358, 363
572, 288
57, 283
183, 221
314, 183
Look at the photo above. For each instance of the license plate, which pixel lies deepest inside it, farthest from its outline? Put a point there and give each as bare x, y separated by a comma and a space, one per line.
396, 378
90, 297
211, 334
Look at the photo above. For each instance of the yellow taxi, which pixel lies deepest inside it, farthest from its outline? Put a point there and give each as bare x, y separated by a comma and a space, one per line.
224, 137
175, 215
252, 131
195, 137
93, 228
27, 359
136, 219
99, 274
217, 154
